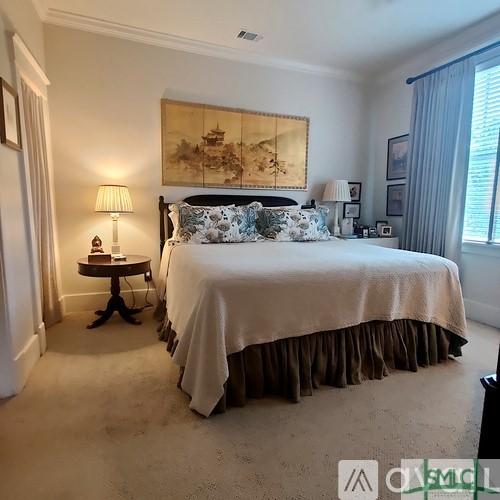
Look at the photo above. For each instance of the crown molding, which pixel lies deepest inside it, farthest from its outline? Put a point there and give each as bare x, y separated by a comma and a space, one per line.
40, 8
476, 36
94, 25
26, 60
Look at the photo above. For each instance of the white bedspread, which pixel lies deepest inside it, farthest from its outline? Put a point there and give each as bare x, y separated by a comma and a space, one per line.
222, 298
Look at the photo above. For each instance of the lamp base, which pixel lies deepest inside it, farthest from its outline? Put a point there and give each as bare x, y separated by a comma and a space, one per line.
336, 228
115, 246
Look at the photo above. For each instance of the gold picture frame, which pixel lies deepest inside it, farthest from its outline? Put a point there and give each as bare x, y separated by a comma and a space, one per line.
10, 120
221, 147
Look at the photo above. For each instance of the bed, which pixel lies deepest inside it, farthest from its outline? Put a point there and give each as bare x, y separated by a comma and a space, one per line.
247, 319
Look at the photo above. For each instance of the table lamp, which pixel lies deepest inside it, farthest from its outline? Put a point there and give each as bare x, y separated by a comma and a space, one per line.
337, 191
114, 200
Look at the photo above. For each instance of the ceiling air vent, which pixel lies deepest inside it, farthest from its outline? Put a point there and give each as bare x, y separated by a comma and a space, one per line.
247, 35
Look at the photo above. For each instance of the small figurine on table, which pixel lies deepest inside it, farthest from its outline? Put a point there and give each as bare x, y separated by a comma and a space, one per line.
96, 245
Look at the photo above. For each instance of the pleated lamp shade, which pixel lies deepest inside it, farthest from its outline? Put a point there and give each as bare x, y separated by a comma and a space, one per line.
337, 191
113, 199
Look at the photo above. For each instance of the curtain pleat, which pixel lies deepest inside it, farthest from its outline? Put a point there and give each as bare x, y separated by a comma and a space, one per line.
438, 161
42, 205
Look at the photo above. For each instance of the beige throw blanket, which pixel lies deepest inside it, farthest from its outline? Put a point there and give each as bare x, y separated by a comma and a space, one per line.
223, 298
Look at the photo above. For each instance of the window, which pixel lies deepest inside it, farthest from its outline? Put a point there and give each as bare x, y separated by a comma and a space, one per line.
482, 205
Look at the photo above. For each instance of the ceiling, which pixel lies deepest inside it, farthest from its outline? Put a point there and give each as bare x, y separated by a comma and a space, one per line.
361, 37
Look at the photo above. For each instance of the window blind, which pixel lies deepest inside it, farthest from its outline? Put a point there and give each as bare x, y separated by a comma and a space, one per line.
482, 206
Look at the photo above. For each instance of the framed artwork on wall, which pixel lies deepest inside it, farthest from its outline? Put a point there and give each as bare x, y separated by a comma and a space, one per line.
355, 191
395, 199
213, 146
352, 210
10, 123
397, 158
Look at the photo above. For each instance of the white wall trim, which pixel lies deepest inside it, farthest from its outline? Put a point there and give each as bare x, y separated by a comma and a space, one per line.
40, 8
6, 364
24, 363
484, 313
484, 249
27, 64
101, 26
77, 302
28, 69
42, 338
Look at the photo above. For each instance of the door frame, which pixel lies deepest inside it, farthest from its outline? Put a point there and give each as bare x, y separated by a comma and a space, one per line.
28, 70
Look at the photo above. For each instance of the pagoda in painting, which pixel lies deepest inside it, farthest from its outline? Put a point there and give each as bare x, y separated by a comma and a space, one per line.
215, 137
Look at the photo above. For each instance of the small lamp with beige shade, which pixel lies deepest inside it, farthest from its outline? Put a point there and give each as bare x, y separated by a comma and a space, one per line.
115, 200
337, 191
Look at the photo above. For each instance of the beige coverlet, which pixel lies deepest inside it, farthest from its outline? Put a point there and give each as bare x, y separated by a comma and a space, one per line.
222, 298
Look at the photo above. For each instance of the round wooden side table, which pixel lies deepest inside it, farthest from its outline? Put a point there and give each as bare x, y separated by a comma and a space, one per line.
133, 265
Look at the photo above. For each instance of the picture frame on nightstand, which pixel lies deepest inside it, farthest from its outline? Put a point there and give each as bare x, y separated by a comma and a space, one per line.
385, 231
380, 223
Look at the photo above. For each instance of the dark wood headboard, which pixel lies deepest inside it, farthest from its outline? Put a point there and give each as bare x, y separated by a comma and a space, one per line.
213, 200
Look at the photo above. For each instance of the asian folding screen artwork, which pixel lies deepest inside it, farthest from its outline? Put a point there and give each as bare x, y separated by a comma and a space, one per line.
208, 146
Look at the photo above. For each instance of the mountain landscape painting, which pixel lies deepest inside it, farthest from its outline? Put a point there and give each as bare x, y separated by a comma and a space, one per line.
209, 146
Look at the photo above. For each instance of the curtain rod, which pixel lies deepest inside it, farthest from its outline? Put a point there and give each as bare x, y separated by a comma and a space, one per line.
412, 79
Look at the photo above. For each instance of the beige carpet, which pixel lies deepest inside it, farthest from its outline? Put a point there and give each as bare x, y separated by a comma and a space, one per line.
101, 418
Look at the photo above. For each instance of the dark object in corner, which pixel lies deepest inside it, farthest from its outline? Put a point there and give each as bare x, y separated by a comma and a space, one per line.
489, 440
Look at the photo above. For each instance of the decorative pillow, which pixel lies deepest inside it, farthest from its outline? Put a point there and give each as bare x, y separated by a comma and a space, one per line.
293, 224
173, 215
223, 224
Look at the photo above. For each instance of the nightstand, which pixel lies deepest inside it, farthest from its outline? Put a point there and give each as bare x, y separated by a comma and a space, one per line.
392, 242
135, 264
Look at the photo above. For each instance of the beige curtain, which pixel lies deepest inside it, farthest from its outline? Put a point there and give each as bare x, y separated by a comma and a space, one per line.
42, 206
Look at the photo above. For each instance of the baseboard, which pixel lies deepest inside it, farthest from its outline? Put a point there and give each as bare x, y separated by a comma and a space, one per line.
24, 363
42, 339
484, 313
77, 302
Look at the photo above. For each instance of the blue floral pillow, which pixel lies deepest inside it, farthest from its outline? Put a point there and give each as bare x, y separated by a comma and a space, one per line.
293, 224
222, 224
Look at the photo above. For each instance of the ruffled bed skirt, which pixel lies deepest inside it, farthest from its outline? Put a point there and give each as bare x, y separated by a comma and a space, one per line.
293, 367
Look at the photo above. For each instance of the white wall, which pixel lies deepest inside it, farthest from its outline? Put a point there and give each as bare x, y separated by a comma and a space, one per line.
105, 115
389, 115
18, 343
390, 111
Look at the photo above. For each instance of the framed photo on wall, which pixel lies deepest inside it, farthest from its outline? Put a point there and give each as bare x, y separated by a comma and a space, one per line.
397, 158
395, 200
10, 123
352, 210
355, 191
